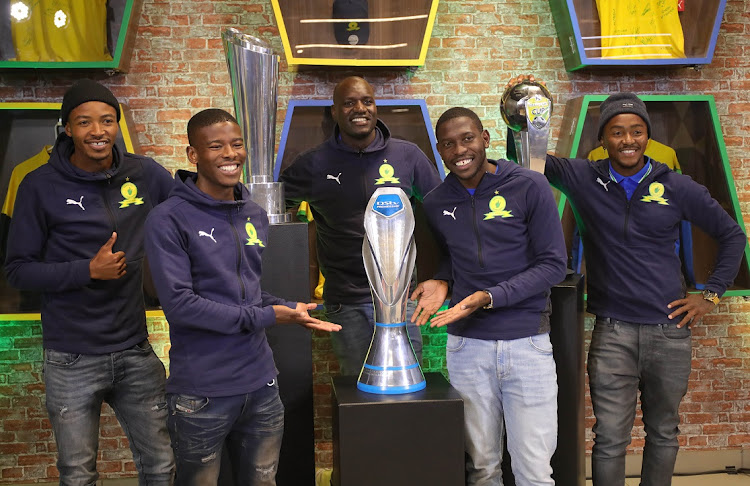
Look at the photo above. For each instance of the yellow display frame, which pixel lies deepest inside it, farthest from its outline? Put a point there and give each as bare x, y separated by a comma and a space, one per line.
292, 60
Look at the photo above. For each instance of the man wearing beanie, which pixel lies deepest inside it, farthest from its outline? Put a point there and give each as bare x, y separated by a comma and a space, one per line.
77, 237
629, 208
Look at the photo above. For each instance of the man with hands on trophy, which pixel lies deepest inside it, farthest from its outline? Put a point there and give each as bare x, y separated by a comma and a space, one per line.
77, 237
205, 244
630, 207
337, 179
499, 225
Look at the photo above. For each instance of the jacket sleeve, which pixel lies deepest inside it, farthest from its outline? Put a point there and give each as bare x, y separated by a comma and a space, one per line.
426, 176
268, 299
297, 181
24, 265
547, 247
170, 267
560, 172
704, 211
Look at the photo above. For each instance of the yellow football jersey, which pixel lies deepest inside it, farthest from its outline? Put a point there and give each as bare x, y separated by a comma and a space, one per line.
60, 30
646, 29
19, 172
657, 151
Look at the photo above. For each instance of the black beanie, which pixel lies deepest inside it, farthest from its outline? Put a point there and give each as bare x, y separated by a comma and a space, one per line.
353, 33
83, 91
620, 103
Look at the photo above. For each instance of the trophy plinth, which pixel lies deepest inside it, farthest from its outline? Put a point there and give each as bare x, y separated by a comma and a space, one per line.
526, 108
389, 253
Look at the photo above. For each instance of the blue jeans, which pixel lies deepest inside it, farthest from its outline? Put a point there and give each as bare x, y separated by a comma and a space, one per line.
624, 358
506, 385
352, 342
132, 383
251, 425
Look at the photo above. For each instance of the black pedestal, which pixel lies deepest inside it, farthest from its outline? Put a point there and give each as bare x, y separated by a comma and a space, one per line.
285, 275
397, 440
566, 334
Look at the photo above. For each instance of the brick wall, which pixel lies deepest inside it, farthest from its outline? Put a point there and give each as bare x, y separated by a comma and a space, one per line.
177, 68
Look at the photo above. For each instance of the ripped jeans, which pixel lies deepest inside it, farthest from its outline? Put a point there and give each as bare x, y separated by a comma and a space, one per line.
132, 383
251, 425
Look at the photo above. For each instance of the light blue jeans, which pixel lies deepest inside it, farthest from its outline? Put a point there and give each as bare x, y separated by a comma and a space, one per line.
352, 342
251, 426
132, 383
506, 385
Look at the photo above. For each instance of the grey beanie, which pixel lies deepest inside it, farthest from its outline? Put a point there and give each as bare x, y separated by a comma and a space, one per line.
620, 103
83, 91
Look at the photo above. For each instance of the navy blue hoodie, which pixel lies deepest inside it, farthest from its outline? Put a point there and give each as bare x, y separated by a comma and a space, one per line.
205, 256
337, 181
63, 215
633, 271
506, 239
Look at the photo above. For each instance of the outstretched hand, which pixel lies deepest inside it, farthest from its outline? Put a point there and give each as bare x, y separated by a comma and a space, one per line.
694, 306
107, 265
475, 301
430, 296
299, 315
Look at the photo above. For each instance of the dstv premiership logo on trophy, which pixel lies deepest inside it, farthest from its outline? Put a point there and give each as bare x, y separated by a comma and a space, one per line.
389, 253
526, 108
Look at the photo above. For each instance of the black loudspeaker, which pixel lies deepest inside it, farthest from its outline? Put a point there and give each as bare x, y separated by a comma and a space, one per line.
397, 440
285, 275
567, 336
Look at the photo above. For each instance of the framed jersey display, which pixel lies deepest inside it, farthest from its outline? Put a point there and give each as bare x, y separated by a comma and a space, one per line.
54, 34
686, 135
27, 133
644, 33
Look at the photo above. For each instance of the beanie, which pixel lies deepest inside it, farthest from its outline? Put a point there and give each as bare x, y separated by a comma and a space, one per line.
620, 103
83, 91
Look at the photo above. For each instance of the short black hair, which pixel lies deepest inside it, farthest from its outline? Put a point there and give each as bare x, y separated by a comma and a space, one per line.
458, 112
207, 118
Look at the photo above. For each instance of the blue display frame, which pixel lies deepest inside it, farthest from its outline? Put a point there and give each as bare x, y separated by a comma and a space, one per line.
391, 102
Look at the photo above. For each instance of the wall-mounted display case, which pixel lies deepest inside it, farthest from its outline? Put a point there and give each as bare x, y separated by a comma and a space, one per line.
68, 34
645, 33
355, 32
26, 129
308, 123
689, 124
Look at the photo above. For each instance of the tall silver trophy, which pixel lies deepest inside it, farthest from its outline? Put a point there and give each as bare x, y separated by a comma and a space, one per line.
389, 253
254, 72
526, 108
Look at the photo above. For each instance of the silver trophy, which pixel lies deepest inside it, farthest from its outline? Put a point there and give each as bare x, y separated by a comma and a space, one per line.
254, 72
526, 108
389, 253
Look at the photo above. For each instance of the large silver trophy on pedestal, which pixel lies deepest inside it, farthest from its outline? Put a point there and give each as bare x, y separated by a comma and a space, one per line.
254, 72
389, 253
526, 108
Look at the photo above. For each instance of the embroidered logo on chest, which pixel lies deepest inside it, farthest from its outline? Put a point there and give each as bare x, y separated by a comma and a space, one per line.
252, 235
129, 191
497, 208
655, 193
386, 172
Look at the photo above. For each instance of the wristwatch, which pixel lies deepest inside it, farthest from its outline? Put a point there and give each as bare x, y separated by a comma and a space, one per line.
488, 306
711, 296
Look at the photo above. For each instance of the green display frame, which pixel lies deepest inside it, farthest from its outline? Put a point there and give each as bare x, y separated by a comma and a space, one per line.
572, 132
120, 57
